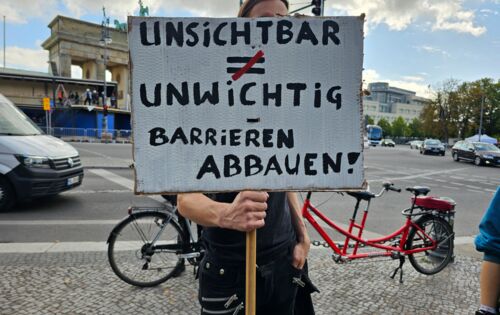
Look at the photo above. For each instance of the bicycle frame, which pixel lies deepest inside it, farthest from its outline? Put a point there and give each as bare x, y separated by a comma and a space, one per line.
385, 250
187, 250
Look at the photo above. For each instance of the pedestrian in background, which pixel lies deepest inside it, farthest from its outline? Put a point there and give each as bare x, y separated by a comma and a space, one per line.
95, 97
488, 241
88, 97
77, 98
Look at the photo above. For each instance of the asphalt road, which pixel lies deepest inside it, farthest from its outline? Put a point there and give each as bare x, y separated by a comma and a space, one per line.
89, 212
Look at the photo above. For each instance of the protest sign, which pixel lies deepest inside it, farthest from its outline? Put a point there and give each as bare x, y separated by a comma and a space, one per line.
236, 104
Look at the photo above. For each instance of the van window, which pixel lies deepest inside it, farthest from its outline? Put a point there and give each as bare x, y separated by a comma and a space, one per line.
13, 122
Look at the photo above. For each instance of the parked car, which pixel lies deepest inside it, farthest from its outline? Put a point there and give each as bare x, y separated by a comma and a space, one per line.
32, 164
387, 143
478, 152
415, 144
432, 146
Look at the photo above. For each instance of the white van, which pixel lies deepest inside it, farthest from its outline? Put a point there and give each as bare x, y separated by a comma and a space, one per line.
32, 164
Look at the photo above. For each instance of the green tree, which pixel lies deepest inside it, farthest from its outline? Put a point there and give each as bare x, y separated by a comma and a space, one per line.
398, 127
429, 119
369, 120
415, 128
386, 126
455, 110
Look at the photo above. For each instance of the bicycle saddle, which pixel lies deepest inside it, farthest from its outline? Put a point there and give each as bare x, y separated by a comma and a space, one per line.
361, 195
418, 190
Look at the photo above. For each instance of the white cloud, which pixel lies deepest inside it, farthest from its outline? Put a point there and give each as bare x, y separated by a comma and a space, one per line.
487, 12
21, 11
449, 15
432, 49
27, 59
120, 9
399, 14
114, 9
412, 83
412, 78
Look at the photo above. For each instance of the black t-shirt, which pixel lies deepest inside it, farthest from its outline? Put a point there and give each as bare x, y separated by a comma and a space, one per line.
277, 233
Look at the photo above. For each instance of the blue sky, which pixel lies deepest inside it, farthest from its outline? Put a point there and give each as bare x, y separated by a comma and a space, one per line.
409, 43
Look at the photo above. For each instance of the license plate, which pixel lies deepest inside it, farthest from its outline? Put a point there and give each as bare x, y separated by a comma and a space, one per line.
73, 180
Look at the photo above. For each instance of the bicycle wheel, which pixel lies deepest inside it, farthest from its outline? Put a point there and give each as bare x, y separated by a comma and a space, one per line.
133, 256
432, 261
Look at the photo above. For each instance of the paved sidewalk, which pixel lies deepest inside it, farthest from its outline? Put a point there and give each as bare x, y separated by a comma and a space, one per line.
83, 283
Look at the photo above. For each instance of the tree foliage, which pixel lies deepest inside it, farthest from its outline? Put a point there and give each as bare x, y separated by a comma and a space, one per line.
398, 127
369, 120
415, 128
386, 127
455, 110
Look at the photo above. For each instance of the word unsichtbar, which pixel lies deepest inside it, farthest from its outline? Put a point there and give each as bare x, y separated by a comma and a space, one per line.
282, 32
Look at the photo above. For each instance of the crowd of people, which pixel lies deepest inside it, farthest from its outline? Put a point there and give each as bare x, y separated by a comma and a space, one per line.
88, 97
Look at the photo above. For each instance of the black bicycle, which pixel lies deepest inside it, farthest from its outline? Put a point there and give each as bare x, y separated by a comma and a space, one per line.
151, 245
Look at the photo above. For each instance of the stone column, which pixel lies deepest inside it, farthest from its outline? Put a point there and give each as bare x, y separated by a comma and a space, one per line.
64, 65
89, 68
121, 76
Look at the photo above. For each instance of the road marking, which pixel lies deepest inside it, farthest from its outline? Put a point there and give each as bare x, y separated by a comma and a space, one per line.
450, 187
440, 180
117, 179
423, 174
458, 184
122, 181
490, 184
97, 153
104, 191
57, 222
473, 187
477, 191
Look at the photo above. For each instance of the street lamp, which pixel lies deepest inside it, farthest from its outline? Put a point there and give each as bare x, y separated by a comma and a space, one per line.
481, 120
104, 41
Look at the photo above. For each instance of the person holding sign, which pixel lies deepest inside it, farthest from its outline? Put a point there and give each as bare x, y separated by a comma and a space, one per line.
282, 240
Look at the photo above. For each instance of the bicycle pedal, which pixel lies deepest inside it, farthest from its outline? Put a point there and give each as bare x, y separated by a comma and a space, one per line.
339, 259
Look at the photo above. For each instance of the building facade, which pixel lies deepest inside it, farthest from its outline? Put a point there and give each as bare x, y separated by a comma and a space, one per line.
77, 42
390, 102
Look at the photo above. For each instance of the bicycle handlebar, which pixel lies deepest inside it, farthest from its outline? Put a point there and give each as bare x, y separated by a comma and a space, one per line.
394, 189
387, 186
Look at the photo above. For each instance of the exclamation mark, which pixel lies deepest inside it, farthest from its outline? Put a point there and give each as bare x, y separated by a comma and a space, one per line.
352, 157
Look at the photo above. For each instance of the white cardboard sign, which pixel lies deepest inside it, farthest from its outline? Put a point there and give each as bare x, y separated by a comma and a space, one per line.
235, 104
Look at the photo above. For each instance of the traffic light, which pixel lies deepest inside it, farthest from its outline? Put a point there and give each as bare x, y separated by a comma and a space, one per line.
105, 110
316, 10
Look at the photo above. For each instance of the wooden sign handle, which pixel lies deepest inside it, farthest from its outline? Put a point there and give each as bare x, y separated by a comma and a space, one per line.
251, 263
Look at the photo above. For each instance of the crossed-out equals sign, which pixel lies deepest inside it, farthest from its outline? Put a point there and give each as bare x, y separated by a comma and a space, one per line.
246, 65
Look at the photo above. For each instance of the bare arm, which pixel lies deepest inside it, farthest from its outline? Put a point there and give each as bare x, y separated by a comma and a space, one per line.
301, 250
245, 213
